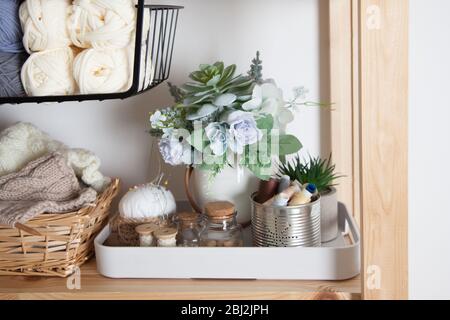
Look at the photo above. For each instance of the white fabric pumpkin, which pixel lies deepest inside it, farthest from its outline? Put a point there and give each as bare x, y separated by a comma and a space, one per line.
148, 201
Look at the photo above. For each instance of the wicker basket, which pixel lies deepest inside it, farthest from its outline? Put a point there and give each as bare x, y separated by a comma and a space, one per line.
125, 228
65, 241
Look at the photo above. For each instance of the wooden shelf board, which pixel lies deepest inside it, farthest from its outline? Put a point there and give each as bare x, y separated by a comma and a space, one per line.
95, 286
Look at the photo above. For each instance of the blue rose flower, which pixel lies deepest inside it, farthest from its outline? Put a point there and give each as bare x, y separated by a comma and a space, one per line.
217, 136
243, 130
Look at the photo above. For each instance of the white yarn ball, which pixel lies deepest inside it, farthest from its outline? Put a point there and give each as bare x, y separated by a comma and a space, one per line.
102, 23
49, 73
148, 201
103, 71
44, 24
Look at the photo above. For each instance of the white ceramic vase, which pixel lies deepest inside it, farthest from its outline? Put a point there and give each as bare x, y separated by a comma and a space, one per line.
231, 184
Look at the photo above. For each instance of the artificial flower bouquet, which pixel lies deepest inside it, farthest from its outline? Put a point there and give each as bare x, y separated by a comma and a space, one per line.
223, 119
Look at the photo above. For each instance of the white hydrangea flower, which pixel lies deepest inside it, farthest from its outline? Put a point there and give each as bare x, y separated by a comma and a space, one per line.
157, 119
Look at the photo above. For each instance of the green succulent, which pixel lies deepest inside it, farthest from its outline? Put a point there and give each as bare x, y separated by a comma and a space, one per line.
318, 171
212, 82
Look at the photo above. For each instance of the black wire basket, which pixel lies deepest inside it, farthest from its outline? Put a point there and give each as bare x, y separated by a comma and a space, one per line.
152, 57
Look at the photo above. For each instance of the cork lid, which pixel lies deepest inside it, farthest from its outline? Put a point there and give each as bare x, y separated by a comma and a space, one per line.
165, 233
219, 209
146, 229
187, 216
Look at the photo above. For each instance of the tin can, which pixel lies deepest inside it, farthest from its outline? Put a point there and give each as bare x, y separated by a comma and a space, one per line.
296, 226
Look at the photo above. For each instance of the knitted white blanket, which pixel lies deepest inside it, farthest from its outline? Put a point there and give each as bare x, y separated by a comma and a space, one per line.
23, 142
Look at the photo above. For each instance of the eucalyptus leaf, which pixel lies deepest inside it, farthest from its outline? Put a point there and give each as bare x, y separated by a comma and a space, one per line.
288, 144
265, 123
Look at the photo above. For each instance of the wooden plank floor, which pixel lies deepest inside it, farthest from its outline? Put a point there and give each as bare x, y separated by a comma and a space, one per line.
95, 286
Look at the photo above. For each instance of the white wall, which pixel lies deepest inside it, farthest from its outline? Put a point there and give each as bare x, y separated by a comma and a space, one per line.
429, 205
287, 33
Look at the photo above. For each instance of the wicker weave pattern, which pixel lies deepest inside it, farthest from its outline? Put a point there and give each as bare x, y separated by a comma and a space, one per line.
67, 240
126, 227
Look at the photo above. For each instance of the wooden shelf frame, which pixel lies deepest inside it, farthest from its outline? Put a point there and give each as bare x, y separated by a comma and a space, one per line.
369, 89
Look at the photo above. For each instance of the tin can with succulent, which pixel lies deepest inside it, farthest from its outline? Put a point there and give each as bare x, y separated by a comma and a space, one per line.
320, 172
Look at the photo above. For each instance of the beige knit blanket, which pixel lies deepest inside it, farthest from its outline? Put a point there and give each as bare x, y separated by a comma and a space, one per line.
46, 185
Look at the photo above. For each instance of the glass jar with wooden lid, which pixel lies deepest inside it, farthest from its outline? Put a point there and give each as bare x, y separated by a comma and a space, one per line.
188, 229
145, 232
221, 228
166, 237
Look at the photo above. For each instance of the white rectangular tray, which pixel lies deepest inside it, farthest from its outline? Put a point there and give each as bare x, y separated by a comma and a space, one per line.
336, 260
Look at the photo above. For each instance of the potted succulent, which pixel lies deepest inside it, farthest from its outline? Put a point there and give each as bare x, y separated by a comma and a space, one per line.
321, 172
227, 127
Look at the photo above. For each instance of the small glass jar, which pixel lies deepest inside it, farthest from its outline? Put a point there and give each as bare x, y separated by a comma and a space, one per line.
166, 237
145, 232
221, 229
188, 229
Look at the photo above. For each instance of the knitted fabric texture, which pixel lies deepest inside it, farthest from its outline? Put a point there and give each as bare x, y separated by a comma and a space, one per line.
46, 185
23, 142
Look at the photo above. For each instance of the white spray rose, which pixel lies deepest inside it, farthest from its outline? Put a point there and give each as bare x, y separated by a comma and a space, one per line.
268, 98
243, 131
175, 151
217, 136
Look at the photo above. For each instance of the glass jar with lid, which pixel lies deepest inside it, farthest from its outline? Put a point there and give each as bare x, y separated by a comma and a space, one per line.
188, 229
145, 232
221, 227
166, 237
